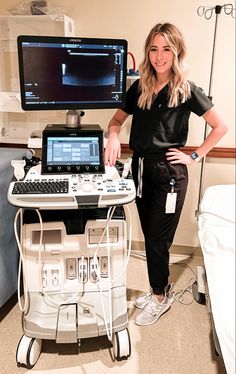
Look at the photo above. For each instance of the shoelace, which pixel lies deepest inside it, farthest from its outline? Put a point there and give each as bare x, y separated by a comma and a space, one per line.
152, 307
147, 297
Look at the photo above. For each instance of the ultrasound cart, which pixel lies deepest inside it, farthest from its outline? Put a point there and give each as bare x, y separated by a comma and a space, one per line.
73, 247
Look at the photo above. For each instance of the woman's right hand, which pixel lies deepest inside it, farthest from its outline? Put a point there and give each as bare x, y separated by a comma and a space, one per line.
113, 150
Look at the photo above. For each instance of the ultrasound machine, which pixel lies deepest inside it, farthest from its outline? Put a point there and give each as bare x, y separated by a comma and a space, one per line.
74, 239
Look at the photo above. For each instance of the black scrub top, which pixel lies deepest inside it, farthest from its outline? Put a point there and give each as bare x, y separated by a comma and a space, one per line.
160, 127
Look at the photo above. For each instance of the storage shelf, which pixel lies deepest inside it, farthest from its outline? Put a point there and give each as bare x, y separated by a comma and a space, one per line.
13, 120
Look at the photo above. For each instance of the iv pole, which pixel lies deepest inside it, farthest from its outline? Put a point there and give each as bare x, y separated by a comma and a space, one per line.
207, 12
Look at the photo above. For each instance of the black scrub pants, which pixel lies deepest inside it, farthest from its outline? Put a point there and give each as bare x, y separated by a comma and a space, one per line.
158, 226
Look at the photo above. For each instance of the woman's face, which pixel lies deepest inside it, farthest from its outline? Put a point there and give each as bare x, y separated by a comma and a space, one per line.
161, 56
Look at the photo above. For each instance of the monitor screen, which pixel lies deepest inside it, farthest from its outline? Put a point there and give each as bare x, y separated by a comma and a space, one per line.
71, 73
72, 151
67, 151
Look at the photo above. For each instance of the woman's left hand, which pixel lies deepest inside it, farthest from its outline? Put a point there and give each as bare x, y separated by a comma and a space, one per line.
175, 156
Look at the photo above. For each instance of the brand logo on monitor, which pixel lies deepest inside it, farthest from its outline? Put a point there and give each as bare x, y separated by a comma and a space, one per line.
75, 40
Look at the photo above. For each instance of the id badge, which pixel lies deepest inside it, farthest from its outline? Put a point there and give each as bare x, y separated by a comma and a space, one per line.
171, 202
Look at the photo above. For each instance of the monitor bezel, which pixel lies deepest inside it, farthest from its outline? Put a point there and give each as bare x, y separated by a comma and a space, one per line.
72, 40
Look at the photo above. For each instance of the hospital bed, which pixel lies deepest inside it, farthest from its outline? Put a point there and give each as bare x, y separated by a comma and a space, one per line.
217, 239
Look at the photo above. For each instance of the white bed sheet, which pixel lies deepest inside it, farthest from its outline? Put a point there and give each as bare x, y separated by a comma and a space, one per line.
217, 238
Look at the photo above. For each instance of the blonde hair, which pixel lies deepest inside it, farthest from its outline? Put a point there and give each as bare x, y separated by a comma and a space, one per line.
179, 88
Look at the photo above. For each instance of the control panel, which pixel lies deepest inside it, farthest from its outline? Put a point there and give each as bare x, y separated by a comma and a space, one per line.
73, 191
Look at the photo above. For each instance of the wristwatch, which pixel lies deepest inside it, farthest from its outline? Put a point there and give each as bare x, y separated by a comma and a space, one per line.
194, 156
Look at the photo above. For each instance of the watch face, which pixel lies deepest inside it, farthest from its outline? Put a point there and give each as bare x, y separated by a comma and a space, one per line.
194, 155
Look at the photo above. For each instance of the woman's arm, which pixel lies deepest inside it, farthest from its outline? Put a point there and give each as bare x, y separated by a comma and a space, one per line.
218, 130
112, 151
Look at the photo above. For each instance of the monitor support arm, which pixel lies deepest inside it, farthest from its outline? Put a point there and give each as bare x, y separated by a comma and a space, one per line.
73, 118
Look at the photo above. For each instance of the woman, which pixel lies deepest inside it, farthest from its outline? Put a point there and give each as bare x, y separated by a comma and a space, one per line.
161, 103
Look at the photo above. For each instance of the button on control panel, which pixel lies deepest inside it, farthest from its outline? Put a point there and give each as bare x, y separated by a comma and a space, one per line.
99, 184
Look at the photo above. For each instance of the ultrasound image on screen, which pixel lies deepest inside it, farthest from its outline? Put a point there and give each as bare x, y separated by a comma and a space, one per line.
89, 70
60, 74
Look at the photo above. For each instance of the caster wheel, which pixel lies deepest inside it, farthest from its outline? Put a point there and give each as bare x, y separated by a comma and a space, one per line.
121, 345
28, 351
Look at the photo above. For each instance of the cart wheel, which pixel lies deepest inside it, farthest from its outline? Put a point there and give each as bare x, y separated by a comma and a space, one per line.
198, 296
28, 351
121, 345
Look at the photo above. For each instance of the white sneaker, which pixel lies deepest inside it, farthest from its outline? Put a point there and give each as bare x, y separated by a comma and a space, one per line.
152, 311
141, 301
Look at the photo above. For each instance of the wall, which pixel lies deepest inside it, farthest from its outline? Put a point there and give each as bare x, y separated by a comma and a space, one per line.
133, 20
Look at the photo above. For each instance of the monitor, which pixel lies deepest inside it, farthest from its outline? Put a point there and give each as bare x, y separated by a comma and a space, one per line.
67, 151
64, 73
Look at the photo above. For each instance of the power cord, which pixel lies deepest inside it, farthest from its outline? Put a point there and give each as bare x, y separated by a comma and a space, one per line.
110, 281
182, 296
22, 266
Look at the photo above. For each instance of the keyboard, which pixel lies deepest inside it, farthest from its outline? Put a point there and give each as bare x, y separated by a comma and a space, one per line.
44, 187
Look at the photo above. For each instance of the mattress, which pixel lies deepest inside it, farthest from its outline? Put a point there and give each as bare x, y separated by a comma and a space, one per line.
217, 239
